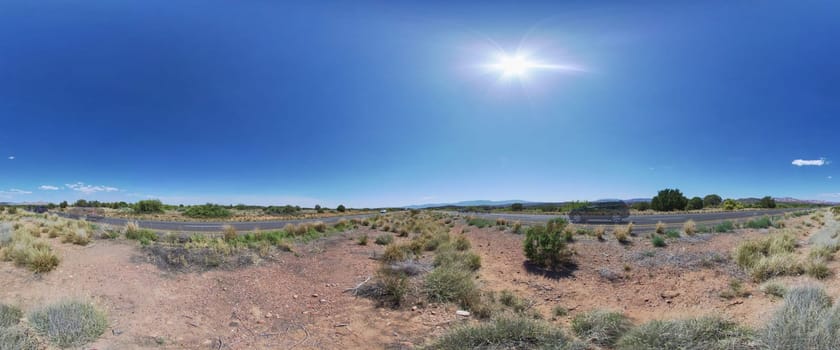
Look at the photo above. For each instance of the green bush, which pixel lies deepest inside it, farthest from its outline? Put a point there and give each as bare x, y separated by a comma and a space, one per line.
600, 327
384, 239
545, 245
726, 226
706, 333
69, 324
768, 256
207, 211
711, 200
149, 206
695, 203
506, 333
479, 222
669, 200
763, 222
458, 259
657, 241
341, 208
805, 321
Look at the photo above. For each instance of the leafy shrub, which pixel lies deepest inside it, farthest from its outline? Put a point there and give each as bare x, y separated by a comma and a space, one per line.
462, 243
774, 288
207, 211
148, 206
600, 327
9, 315
544, 245
363, 239
69, 324
731, 204
696, 333
672, 234
506, 333
695, 203
286, 209
341, 208
763, 222
711, 200
657, 241
805, 321
479, 222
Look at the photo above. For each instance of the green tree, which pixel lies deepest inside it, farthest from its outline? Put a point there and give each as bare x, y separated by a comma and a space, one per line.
149, 206
695, 203
80, 203
63, 205
318, 209
731, 204
341, 208
767, 202
711, 200
517, 207
669, 200
641, 206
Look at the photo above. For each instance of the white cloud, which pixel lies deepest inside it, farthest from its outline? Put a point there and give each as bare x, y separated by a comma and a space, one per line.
829, 177
15, 191
812, 162
832, 195
89, 189
48, 188
11, 157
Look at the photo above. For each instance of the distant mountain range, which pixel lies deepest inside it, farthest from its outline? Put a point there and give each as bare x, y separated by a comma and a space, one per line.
489, 203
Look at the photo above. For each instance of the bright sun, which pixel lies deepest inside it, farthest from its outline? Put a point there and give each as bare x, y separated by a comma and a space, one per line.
520, 66
515, 66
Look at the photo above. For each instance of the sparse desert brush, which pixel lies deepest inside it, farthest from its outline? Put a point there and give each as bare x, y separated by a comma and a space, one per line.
824, 252
805, 321
462, 243
725, 226
362, 240
393, 286
769, 256
657, 241
506, 333
78, 237
450, 283
42, 260
599, 232
817, 268
710, 333
660, 227
517, 227
131, 226
24, 250
228, 232
384, 239
775, 289
395, 252
501, 222
600, 327
690, 227
18, 338
69, 324
621, 234
458, 259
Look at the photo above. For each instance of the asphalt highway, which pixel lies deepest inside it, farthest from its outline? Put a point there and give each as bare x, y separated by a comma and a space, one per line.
210, 226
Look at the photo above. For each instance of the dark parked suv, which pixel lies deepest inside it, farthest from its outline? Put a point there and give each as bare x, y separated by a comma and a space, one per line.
614, 211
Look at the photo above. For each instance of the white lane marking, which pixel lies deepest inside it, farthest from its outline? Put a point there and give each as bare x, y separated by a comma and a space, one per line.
202, 225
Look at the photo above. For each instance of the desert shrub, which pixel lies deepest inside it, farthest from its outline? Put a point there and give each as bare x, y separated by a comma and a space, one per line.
725, 226
695, 203
763, 222
736, 290
69, 324
207, 211
817, 268
825, 252
544, 245
622, 235
805, 321
599, 232
660, 227
501, 222
148, 206
506, 333
362, 240
712, 200
395, 252
559, 311
9, 315
17, 338
24, 250
600, 327
393, 286
517, 227
479, 222
657, 241
449, 283
458, 259
769, 256
690, 227
384, 239
229, 233
775, 289
517, 304
12, 210
696, 333
42, 260
462, 243
78, 237
672, 234
136, 233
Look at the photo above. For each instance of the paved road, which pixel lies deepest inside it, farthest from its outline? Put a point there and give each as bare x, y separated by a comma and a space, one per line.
649, 219
211, 226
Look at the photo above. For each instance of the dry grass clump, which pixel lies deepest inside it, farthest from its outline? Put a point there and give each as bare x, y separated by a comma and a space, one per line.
805, 321
690, 227
25, 250
69, 324
78, 237
622, 234
707, 333
506, 333
228, 232
599, 232
600, 327
9, 315
769, 256
17, 338
660, 227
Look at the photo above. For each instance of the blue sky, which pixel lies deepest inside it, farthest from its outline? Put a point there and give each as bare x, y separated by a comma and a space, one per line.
379, 103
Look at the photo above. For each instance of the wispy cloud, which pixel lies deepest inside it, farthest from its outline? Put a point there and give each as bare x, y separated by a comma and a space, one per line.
15, 191
811, 162
831, 195
48, 188
88, 189
11, 157
829, 177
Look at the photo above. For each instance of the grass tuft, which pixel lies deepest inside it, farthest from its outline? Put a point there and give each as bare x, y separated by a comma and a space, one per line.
697, 333
69, 324
506, 333
600, 327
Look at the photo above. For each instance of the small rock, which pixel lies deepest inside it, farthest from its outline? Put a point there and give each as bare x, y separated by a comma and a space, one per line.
462, 313
116, 331
314, 295
670, 294
323, 300
434, 313
413, 308
268, 315
233, 324
295, 296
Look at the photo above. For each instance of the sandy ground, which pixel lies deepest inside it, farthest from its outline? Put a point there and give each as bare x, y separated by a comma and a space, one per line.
298, 300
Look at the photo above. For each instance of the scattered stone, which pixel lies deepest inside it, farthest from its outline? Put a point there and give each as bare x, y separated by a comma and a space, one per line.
233, 324
116, 331
413, 308
314, 295
268, 315
462, 313
323, 300
295, 296
670, 294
